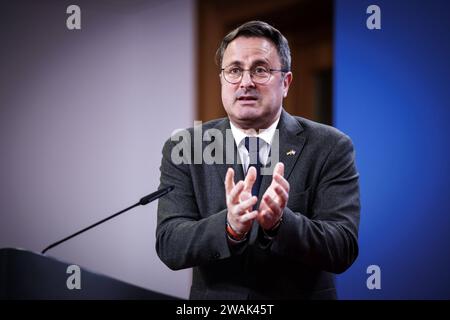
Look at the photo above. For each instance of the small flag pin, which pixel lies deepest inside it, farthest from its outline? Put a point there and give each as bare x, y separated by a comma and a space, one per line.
290, 152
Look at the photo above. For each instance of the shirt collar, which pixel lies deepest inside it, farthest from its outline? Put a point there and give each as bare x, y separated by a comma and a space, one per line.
265, 134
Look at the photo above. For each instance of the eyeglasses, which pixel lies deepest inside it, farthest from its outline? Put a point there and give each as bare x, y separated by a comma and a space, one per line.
258, 74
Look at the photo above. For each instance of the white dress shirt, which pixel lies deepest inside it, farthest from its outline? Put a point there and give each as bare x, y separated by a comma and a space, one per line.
266, 135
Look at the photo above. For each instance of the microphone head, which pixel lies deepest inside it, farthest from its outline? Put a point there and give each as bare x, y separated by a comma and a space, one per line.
155, 195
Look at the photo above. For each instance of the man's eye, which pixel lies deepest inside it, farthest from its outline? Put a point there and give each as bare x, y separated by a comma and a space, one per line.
260, 70
234, 71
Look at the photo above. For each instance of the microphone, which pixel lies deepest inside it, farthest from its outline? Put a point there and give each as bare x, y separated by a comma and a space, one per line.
142, 202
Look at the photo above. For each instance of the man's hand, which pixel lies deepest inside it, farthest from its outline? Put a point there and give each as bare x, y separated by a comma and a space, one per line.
240, 201
274, 199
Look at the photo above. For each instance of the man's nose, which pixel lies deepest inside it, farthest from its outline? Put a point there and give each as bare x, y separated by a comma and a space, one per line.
246, 80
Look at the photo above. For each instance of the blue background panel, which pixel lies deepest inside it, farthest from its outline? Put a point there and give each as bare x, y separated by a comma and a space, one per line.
392, 97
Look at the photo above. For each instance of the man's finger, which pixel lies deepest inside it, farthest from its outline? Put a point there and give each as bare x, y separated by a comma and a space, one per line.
250, 179
282, 196
279, 168
282, 182
244, 206
248, 216
229, 181
233, 197
273, 206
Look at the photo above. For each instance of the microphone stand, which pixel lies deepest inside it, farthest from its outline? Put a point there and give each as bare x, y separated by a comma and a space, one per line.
142, 202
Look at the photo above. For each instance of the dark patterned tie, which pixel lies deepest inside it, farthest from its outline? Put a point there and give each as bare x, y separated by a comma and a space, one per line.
253, 145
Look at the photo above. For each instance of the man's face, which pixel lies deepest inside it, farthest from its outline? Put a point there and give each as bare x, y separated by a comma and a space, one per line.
250, 105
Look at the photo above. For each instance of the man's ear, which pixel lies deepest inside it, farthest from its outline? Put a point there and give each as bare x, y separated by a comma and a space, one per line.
287, 82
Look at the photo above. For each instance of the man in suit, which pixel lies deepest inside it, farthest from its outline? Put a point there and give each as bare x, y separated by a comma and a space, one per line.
250, 235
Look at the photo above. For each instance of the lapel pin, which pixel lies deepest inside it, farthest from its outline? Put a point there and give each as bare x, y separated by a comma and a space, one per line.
290, 152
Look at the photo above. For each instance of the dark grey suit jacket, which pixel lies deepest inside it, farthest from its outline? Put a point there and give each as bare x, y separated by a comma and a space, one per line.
317, 237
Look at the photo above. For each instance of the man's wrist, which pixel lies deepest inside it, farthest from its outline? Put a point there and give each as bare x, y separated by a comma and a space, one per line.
272, 232
234, 235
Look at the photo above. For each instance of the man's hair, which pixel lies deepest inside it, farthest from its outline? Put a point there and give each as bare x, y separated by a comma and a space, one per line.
258, 29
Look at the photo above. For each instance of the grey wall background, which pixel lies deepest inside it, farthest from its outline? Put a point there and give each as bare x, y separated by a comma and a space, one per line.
83, 117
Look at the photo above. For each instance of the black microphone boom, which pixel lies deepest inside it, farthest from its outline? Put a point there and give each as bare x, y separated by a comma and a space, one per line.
142, 202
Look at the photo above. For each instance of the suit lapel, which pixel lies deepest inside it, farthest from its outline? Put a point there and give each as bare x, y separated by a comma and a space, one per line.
290, 145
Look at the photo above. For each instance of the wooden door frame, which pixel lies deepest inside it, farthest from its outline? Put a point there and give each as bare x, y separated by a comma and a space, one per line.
215, 18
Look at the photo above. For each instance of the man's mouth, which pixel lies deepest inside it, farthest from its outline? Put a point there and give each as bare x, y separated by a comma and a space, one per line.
247, 98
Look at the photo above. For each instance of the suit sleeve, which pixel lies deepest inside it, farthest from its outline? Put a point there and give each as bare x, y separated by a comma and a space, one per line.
328, 239
183, 238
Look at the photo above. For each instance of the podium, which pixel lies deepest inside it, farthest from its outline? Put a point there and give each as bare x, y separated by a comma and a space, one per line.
27, 275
